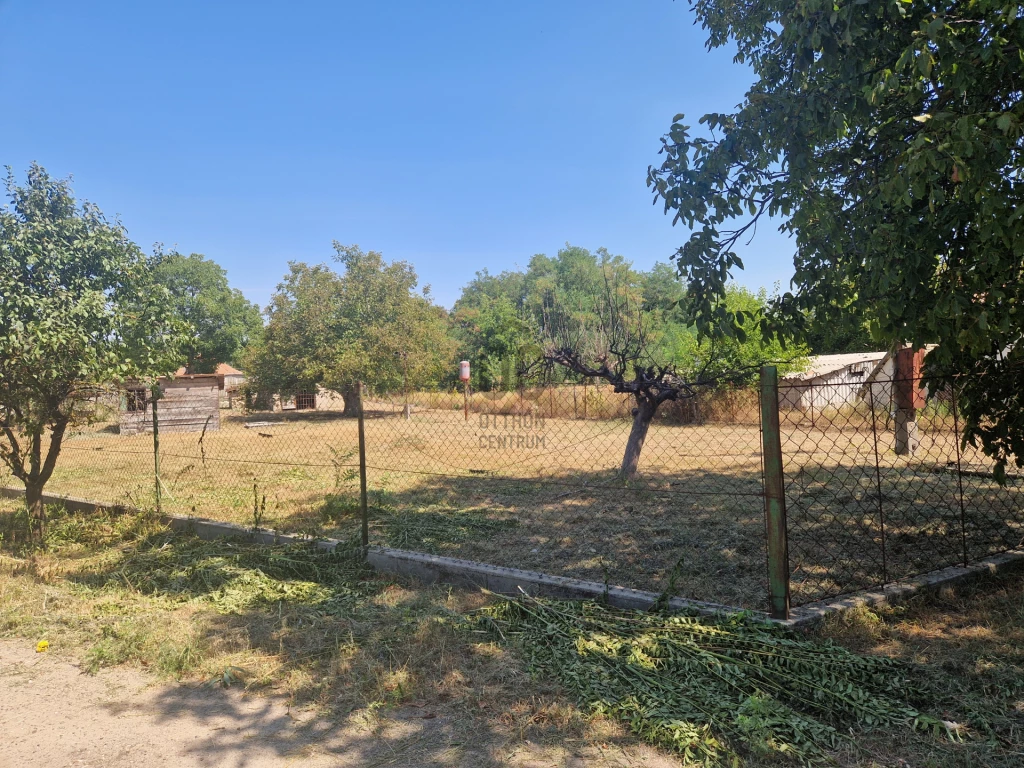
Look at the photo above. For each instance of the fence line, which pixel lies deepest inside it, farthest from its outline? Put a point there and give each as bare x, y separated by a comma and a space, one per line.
862, 494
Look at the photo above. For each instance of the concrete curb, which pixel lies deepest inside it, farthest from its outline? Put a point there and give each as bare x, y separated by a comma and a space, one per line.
450, 570
419, 565
805, 616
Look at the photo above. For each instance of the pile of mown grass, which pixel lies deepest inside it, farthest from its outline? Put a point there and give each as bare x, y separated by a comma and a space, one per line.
321, 626
713, 688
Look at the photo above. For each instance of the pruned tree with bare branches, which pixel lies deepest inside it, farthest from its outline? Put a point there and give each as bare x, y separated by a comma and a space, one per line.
612, 340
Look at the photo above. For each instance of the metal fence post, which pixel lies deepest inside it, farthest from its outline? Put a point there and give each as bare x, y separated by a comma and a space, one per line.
363, 507
774, 495
959, 472
155, 392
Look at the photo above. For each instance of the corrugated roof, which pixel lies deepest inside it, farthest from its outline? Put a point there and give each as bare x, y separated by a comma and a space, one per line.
822, 365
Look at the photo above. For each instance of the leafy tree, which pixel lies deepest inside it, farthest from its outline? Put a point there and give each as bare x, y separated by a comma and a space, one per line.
825, 339
611, 340
223, 321
492, 329
365, 324
888, 137
637, 343
591, 315
661, 288
78, 311
290, 357
736, 359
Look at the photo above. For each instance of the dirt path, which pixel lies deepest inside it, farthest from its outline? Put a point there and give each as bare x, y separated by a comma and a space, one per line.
53, 715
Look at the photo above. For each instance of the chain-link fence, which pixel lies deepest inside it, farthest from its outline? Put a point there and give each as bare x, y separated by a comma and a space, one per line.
877, 491
532, 479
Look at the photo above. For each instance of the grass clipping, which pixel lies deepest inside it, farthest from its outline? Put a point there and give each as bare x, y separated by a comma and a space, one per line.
710, 688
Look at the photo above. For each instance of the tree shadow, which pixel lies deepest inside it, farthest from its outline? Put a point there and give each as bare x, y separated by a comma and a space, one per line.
858, 525
585, 525
969, 639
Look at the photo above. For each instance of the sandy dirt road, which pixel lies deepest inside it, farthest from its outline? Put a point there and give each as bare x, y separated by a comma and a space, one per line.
54, 716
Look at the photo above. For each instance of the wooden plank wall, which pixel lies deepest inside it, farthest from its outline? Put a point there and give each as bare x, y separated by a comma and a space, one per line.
185, 406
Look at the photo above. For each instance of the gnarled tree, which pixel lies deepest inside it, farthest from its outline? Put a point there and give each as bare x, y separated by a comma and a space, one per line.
610, 339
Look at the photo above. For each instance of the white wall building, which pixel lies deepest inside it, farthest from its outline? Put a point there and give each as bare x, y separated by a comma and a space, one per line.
834, 381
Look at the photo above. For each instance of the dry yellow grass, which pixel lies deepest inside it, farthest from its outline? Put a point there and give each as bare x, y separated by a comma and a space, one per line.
549, 485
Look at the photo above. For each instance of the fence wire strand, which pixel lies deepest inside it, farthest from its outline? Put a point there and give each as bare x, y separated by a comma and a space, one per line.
876, 493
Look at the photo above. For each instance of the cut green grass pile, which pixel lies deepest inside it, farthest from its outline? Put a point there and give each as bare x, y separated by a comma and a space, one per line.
712, 688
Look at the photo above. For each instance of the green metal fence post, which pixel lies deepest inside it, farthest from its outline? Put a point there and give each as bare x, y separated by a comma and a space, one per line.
774, 495
363, 507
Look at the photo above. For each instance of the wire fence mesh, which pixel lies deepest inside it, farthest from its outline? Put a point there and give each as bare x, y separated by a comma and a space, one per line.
535, 473
531, 479
876, 493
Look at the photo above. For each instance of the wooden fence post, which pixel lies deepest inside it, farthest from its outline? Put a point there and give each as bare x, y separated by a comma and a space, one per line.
774, 495
363, 507
155, 396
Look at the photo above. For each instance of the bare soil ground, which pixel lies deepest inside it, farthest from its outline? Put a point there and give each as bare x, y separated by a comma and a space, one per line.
54, 715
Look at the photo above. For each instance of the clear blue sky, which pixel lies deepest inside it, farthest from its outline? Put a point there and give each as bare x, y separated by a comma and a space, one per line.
455, 135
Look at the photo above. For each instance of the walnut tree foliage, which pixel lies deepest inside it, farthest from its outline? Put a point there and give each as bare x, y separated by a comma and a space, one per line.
887, 138
79, 311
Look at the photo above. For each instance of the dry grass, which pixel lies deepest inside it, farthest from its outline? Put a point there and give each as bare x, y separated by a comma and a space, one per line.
378, 646
531, 491
969, 641
113, 590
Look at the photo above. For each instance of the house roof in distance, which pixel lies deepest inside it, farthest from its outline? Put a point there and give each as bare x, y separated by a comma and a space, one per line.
223, 369
823, 365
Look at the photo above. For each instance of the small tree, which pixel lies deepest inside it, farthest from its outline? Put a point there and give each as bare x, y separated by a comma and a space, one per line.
626, 328
612, 341
78, 311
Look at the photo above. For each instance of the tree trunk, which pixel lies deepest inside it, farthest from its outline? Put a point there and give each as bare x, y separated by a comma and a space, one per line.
350, 394
36, 510
642, 415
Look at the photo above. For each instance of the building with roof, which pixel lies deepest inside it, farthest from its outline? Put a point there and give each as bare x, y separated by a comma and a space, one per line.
233, 378
834, 381
187, 403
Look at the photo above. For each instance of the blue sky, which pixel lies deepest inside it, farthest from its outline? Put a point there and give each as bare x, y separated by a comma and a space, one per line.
454, 135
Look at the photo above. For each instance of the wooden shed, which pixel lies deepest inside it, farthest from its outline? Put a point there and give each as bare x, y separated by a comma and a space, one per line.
834, 381
188, 403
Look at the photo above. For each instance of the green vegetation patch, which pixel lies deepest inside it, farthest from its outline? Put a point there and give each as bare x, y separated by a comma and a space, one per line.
434, 531
234, 575
712, 688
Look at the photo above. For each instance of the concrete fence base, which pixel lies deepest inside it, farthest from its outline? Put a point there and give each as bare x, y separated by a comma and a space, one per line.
511, 581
